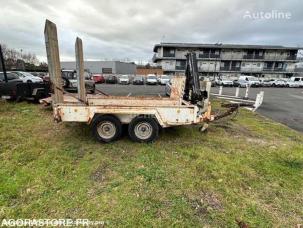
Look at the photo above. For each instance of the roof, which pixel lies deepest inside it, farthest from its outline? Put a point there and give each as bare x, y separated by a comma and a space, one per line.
221, 46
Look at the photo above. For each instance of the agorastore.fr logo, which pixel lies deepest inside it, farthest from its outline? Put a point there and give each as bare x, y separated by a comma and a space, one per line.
50, 223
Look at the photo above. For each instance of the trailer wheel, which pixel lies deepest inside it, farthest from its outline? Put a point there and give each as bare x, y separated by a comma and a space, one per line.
142, 129
106, 128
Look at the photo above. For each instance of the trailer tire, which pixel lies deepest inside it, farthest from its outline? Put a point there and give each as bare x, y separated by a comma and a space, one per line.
106, 128
142, 129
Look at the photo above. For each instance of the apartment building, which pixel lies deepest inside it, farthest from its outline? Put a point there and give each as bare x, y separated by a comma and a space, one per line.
228, 59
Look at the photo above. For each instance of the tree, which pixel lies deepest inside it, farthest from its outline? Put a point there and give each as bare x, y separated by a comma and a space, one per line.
13, 58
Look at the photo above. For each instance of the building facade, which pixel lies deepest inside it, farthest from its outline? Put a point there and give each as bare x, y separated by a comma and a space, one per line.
103, 67
228, 60
143, 70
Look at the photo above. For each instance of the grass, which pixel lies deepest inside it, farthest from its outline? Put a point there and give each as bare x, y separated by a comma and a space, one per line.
246, 170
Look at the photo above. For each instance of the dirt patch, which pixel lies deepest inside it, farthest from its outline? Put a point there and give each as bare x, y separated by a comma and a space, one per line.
99, 175
205, 202
235, 129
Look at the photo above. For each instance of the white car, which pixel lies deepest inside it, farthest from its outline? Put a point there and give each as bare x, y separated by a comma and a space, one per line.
296, 81
278, 83
124, 79
27, 77
293, 84
151, 79
251, 81
164, 80
267, 82
224, 82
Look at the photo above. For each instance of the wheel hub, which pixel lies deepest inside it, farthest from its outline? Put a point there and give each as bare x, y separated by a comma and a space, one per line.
107, 129
143, 130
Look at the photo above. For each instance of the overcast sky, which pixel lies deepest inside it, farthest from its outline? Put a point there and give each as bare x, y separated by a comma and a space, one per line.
120, 29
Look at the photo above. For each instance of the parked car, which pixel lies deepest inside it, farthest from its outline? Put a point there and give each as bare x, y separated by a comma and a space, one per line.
98, 78
213, 83
70, 82
293, 84
267, 82
298, 80
224, 82
236, 83
27, 77
151, 79
124, 79
168, 88
279, 83
111, 79
138, 80
8, 90
164, 79
245, 80
15, 89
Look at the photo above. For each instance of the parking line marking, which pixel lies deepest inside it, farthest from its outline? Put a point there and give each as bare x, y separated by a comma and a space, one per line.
296, 96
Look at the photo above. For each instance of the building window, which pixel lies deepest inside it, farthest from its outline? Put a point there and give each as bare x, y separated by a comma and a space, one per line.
237, 64
258, 65
243, 64
168, 52
222, 64
107, 70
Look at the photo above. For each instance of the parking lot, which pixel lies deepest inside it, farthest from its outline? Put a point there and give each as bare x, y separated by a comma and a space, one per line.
284, 105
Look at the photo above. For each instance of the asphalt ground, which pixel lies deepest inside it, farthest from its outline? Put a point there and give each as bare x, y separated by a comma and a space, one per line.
284, 105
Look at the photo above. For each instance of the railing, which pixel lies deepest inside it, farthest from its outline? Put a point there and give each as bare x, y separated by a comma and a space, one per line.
279, 57
231, 56
234, 68
169, 55
267, 69
251, 69
279, 69
180, 67
209, 56
248, 56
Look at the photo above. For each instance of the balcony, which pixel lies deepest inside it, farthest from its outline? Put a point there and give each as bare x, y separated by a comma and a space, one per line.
214, 56
251, 69
235, 68
280, 57
209, 56
170, 55
248, 56
291, 57
267, 69
232, 56
259, 57
180, 67
224, 68
279, 69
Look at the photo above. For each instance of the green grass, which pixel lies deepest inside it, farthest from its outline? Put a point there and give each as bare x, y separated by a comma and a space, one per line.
248, 169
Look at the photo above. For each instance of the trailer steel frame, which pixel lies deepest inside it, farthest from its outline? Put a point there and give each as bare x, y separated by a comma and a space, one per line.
166, 111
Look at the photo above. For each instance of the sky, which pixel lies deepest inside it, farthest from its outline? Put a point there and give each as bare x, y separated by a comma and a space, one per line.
127, 30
